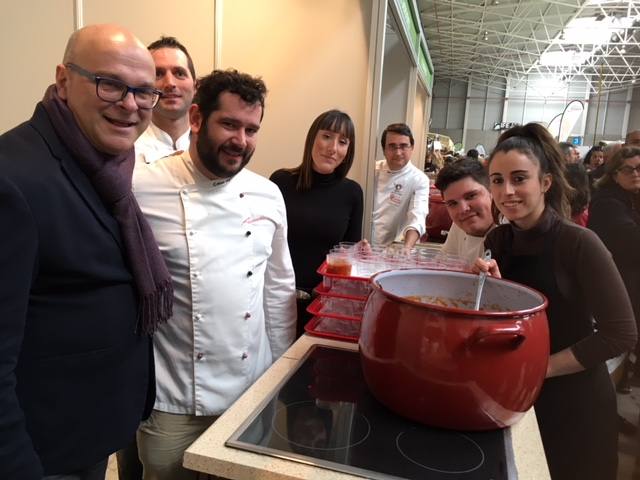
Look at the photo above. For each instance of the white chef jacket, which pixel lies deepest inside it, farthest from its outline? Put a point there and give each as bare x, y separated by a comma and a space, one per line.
225, 244
401, 202
465, 246
155, 143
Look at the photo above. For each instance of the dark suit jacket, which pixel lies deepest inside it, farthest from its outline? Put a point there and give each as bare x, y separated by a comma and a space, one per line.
75, 378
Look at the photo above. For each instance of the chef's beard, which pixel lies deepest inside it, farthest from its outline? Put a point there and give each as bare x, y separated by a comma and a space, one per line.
208, 151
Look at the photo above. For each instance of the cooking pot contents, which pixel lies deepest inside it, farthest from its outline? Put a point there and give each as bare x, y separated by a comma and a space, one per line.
481, 278
428, 356
466, 304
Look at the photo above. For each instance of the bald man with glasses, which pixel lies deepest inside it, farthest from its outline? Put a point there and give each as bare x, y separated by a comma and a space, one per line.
82, 282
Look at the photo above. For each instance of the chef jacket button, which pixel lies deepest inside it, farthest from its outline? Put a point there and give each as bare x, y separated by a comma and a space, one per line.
247, 315
195, 274
200, 356
184, 193
247, 233
198, 316
191, 233
244, 356
249, 273
242, 195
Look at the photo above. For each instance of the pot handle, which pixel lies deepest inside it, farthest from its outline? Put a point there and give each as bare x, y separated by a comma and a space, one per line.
511, 336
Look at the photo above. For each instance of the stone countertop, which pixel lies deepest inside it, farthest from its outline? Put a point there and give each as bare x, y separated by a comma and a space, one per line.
208, 454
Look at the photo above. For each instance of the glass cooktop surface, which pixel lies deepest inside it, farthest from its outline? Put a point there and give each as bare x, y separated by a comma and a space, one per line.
322, 414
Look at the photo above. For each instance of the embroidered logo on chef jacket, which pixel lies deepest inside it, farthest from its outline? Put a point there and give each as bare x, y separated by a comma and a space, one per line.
396, 195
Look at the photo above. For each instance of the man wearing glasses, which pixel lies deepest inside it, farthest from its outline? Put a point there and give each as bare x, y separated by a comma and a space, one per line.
176, 79
82, 282
401, 198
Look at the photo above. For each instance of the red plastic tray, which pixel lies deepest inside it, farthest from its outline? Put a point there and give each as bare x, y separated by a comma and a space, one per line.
334, 328
325, 291
319, 308
322, 270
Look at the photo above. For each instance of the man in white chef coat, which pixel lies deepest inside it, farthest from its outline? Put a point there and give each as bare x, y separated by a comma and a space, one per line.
223, 232
401, 197
169, 129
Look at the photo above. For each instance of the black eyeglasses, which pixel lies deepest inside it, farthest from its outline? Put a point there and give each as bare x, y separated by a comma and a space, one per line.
628, 171
402, 147
112, 90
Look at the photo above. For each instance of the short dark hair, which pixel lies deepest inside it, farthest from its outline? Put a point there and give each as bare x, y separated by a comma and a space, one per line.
587, 157
250, 89
473, 153
172, 42
466, 167
399, 128
334, 121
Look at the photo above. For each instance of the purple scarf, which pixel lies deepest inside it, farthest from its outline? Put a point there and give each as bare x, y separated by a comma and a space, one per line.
110, 176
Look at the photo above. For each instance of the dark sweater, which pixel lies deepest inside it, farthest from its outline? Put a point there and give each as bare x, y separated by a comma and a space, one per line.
328, 213
586, 274
616, 220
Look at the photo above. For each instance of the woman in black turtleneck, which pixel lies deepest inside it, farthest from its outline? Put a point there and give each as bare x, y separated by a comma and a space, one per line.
323, 206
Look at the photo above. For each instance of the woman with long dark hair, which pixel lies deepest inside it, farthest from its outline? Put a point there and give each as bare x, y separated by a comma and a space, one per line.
324, 207
541, 248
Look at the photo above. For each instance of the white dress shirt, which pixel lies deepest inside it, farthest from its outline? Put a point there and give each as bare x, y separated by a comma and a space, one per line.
155, 143
465, 246
401, 202
225, 244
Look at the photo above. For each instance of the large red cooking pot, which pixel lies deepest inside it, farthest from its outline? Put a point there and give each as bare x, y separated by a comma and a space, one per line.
434, 359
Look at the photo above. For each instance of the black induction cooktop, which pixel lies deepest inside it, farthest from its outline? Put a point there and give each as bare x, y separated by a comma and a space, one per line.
322, 414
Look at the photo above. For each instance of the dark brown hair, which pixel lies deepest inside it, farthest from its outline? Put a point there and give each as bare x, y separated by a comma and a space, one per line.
535, 141
172, 42
612, 166
334, 121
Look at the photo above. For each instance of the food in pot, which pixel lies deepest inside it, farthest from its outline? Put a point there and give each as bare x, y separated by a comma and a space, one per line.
464, 303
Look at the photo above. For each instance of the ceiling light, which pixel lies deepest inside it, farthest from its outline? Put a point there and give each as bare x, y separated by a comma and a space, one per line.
623, 50
633, 80
564, 59
589, 31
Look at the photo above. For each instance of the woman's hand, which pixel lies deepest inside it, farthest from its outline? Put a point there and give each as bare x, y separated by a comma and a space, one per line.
488, 266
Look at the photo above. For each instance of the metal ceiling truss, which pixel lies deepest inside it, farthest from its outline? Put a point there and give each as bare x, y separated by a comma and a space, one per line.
491, 41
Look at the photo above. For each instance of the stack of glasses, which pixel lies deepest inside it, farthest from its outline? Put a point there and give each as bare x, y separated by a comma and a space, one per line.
361, 260
343, 292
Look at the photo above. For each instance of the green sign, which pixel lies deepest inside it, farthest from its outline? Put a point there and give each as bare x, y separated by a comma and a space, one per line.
411, 21
425, 68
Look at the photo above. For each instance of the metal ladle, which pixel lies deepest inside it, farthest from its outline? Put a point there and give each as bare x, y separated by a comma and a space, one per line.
481, 278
